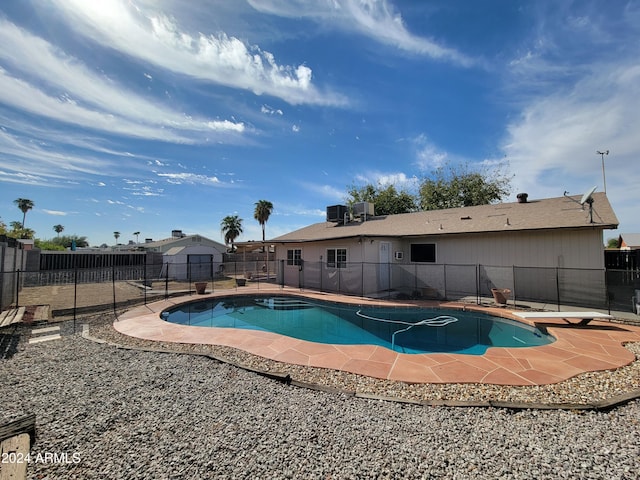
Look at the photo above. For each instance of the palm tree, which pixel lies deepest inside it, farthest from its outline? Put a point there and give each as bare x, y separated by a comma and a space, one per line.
117, 236
263, 210
231, 227
24, 204
136, 234
58, 228
18, 232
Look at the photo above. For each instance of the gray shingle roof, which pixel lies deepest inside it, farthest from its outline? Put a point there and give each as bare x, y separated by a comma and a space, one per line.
631, 239
545, 214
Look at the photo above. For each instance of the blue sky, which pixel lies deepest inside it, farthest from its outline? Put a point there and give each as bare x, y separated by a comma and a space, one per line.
154, 115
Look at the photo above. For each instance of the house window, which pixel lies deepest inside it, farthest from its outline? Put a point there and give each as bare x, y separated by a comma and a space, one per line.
423, 252
336, 257
294, 256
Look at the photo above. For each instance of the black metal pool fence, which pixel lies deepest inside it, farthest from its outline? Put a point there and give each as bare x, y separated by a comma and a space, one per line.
70, 292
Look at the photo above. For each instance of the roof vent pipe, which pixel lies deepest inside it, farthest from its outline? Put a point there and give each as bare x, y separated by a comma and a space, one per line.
522, 197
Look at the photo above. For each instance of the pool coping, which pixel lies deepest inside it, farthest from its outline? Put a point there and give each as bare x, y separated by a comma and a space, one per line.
578, 348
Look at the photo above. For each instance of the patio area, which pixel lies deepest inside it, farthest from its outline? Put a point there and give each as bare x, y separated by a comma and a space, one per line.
579, 348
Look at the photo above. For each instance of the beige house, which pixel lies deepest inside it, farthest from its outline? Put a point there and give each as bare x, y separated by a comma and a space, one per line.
453, 252
178, 239
188, 257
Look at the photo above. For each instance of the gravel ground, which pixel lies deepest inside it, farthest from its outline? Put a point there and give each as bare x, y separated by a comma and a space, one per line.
130, 414
584, 389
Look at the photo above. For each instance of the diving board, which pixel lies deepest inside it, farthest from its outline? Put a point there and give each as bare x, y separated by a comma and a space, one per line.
584, 317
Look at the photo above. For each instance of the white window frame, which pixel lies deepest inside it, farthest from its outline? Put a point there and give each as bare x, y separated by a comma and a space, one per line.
296, 257
337, 261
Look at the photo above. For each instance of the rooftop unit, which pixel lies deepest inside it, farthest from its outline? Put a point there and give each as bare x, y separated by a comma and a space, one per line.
363, 209
337, 213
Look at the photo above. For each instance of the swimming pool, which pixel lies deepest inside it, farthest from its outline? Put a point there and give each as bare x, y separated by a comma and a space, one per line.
402, 329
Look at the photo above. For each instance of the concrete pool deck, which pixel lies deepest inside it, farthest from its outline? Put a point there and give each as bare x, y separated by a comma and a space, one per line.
578, 349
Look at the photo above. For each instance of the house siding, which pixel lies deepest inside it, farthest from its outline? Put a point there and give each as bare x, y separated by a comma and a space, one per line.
564, 249
463, 263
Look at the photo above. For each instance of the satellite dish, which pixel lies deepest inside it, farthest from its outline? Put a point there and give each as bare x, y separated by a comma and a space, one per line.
587, 196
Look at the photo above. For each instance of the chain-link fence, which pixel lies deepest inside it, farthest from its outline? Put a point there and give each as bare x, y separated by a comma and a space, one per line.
590, 288
71, 292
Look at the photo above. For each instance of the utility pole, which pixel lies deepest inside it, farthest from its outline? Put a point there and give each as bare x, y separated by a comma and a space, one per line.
604, 179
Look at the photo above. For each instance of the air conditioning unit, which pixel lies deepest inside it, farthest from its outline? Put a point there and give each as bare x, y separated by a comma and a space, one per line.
399, 255
363, 209
336, 213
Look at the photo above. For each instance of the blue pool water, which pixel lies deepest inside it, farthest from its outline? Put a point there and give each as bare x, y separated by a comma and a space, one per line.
403, 329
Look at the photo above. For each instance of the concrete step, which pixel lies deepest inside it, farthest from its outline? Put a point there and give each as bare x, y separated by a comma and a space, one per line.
37, 331
45, 338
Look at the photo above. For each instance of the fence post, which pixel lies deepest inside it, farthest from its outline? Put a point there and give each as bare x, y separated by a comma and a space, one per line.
281, 273
166, 282
144, 279
558, 288
478, 283
211, 274
113, 285
514, 284
75, 293
606, 291
17, 288
444, 280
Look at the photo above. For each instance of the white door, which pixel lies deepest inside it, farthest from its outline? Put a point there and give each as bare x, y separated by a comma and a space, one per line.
384, 269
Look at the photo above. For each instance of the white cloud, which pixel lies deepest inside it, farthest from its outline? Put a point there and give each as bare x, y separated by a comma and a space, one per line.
428, 155
46, 166
190, 178
69, 92
156, 38
270, 111
553, 144
376, 19
327, 191
22, 178
398, 179
54, 212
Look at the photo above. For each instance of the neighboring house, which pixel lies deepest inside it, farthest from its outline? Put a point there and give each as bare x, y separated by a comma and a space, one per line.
627, 254
426, 251
629, 241
178, 239
193, 262
187, 257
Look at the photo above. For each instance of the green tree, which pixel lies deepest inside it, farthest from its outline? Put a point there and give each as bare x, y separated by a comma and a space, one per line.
18, 232
58, 229
3, 228
24, 204
136, 234
451, 187
61, 242
263, 211
116, 235
386, 200
231, 227
612, 243
50, 245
